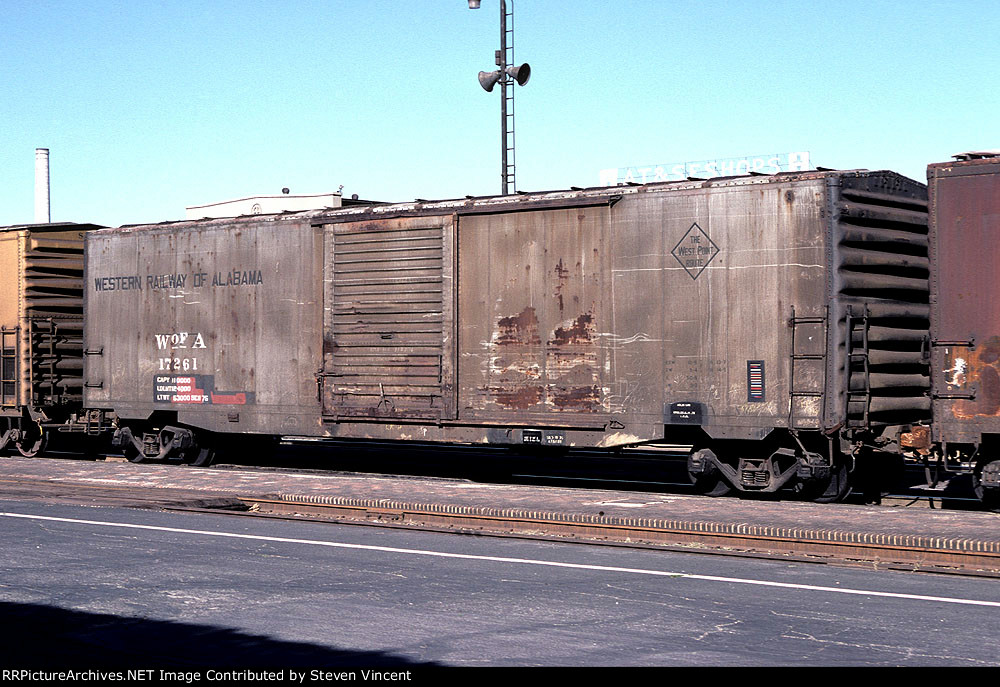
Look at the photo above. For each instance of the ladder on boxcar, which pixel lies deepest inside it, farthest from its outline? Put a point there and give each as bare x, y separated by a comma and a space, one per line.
802, 386
858, 395
8, 367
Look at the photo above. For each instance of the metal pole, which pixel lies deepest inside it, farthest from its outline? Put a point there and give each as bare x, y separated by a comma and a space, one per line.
502, 63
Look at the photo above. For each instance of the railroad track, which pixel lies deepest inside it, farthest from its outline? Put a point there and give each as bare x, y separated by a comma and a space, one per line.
881, 551
872, 550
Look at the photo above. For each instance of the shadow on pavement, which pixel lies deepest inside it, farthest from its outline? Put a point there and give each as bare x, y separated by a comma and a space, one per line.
38, 636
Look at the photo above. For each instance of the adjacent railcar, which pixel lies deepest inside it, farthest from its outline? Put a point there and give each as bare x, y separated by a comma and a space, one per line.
965, 324
41, 332
775, 323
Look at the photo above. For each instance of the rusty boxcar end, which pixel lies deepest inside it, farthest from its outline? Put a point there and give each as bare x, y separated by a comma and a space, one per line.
965, 322
777, 324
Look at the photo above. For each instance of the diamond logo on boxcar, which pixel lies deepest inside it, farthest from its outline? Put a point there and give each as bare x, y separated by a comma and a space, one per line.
695, 250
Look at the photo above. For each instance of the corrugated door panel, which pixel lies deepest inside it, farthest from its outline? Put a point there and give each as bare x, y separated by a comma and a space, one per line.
53, 309
386, 330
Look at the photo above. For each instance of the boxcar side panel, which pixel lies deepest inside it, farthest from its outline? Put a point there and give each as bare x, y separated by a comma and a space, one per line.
218, 323
724, 267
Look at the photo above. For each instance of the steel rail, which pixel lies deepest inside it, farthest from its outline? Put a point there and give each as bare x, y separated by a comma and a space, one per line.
821, 547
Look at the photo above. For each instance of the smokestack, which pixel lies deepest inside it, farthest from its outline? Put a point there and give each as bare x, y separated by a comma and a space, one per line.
42, 205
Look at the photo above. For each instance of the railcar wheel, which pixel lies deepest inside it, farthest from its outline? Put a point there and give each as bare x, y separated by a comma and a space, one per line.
31, 446
834, 489
132, 454
711, 486
989, 497
124, 442
202, 451
707, 480
200, 456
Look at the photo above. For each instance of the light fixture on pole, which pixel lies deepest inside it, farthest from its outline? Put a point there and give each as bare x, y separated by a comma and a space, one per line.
506, 75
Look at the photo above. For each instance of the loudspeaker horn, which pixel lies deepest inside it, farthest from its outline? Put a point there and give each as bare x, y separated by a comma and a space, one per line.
488, 80
520, 74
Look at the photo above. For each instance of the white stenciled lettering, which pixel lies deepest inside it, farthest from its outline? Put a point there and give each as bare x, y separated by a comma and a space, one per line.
179, 340
178, 364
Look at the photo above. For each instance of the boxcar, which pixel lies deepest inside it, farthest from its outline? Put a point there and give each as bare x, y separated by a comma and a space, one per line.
773, 323
41, 331
965, 322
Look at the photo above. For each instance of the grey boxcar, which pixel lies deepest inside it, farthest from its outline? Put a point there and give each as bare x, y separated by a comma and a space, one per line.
773, 323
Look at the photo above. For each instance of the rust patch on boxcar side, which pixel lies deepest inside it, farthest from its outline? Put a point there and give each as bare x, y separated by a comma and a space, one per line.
562, 275
561, 375
981, 367
572, 366
576, 398
988, 396
580, 331
514, 371
991, 351
519, 329
518, 399
987, 401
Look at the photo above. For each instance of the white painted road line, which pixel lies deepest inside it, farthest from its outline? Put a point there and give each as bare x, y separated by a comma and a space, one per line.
516, 561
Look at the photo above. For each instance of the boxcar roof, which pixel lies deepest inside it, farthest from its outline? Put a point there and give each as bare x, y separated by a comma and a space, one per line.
521, 201
57, 226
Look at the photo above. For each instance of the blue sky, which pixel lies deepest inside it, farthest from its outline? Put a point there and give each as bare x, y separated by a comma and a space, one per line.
148, 107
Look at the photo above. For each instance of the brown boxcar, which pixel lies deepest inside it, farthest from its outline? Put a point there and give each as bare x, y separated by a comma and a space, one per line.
41, 331
769, 321
965, 320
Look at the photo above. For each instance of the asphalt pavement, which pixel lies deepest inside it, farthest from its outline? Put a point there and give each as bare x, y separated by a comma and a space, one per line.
123, 587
